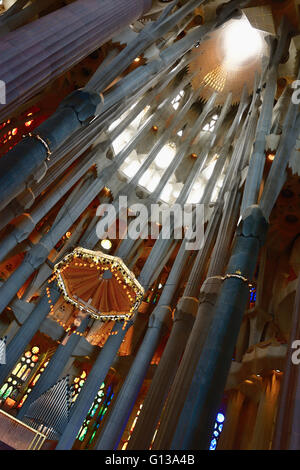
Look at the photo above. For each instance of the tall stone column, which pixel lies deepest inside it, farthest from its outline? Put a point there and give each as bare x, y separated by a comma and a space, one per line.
42, 50
203, 311
183, 320
123, 406
264, 425
31, 153
287, 431
91, 386
104, 361
195, 425
233, 410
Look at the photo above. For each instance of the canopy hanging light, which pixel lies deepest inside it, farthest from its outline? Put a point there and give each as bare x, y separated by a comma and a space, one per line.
99, 284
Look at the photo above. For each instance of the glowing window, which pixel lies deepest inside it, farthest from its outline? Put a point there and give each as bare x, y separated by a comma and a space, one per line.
241, 42
209, 127
165, 156
20, 375
218, 427
175, 102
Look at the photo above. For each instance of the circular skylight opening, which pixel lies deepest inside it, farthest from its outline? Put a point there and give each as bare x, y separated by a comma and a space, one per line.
241, 43
165, 156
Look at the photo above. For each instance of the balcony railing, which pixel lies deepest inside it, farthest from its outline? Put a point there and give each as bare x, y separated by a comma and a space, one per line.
19, 435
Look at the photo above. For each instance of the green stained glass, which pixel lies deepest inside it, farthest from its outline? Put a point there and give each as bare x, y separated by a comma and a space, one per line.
92, 437
8, 392
3, 388
83, 433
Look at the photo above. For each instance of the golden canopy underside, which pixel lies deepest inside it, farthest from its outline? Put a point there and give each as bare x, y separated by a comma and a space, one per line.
98, 284
86, 285
215, 74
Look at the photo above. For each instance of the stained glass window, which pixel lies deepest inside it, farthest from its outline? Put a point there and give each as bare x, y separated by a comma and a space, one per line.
21, 374
124, 446
96, 413
33, 382
252, 299
218, 427
77, 385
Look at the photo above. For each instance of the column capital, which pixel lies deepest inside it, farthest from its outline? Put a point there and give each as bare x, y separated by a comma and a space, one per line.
37, 255
83, 102
161, 317
254, 224
186, 305
210, 290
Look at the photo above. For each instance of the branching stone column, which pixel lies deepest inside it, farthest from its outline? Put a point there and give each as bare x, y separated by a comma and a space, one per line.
79, 107
106, 356
27, 156
204, 316
167, 367
195, 425
91, 386
287, 431
164, 376
123, 406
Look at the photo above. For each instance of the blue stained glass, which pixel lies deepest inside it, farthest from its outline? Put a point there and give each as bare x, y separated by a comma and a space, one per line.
217, 431
213, 444
253, 295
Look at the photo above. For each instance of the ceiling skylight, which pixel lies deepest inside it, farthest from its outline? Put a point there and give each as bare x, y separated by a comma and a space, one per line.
241, 43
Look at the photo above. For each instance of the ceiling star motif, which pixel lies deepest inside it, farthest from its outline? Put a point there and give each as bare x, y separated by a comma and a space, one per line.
228, 59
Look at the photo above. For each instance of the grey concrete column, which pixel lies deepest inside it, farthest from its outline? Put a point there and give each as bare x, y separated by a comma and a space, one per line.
124, 404
195, 425
162, 380
204, 309
91, 386
208, 296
